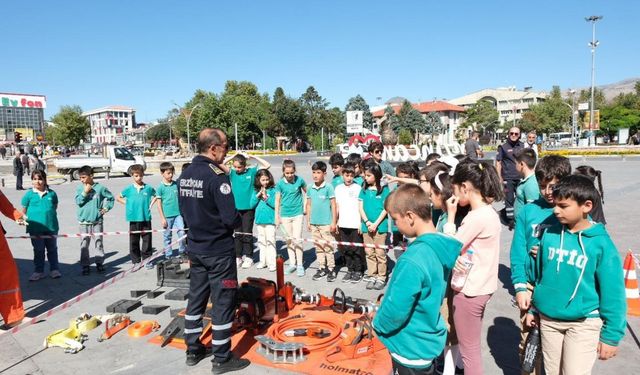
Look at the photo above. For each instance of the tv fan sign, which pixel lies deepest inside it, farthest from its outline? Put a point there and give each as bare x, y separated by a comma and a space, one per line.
23, 101
354, 122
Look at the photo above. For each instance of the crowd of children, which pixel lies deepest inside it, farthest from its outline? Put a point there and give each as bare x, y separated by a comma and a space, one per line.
561, 255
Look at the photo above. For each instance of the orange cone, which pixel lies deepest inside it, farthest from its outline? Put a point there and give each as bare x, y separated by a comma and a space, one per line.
631, 285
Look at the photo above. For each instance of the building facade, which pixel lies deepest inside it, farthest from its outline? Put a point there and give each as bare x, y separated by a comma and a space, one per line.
111, 125
22, 113
450, 116
509, 102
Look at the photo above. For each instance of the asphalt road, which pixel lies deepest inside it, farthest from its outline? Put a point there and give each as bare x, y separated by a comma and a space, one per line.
122, 355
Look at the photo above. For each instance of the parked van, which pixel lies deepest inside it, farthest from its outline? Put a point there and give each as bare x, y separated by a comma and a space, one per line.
560, 139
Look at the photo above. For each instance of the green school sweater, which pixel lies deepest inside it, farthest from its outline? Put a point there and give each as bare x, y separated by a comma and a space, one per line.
531, 222
265, 209
89, 205
580, 276
526, 192
242, 187
42, 216
408, 322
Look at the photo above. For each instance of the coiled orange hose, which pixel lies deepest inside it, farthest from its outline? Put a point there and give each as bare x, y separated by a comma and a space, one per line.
311, 343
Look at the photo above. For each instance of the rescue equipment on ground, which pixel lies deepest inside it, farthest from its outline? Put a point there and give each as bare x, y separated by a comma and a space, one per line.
113, 325
71, 339
142, 328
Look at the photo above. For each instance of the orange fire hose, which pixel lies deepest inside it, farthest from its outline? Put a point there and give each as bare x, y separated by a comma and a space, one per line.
311, 343
142, 328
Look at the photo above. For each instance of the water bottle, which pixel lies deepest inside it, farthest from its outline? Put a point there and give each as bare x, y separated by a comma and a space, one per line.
459, 278
531, 351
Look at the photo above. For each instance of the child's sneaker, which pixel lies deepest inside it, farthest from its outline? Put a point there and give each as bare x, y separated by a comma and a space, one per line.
347, 277
247, 262
379, 284
290, 269
320, 274
332, 276
36, 276
149, 265
272, 269
300, 271
55, 274
261, 265
368, 278
356, 277
371, 284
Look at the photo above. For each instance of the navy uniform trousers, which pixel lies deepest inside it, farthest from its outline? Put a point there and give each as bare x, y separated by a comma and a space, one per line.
215, 277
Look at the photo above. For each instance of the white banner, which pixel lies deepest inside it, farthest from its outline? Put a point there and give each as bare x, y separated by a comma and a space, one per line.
354, 121
23, 101
583, 106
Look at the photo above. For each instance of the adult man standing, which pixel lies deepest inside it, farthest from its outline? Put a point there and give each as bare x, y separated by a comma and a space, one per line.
375, 150
355, 147
472, 147
531, 142
209, 210
506, 166
18, 170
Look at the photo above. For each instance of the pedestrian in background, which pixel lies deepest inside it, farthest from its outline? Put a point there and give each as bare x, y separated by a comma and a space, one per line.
18, 170
472, 147
506, 167
24, 159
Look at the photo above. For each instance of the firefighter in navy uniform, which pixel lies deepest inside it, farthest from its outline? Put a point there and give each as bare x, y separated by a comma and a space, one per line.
208, 209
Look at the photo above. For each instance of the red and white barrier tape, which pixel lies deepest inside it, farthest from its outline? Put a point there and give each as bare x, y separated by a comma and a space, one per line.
29, 321
344, 243
95, 234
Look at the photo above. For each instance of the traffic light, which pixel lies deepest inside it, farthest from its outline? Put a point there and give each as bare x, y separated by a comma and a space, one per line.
17, 137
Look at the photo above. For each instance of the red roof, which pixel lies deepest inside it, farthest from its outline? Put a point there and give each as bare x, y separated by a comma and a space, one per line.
426, 107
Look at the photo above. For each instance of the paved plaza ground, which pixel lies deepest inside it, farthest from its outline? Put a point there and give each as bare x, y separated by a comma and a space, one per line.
22, 353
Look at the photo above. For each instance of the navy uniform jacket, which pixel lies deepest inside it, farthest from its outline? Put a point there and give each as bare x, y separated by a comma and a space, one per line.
208, 208
506, 156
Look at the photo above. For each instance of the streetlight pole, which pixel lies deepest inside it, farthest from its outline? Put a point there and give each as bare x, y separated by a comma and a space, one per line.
188, 129
573, 115
593, 44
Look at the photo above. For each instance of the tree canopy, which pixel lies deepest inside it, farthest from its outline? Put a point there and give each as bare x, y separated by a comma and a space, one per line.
70, 129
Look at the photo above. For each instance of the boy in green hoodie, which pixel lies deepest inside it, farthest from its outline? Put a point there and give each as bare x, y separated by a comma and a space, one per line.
408, 322
93, 200
577, 262
527, 190
531, 221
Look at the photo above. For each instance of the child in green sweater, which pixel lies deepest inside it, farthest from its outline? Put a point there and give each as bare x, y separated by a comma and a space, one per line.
577, 263
531, 221
93, 201
527, 190
409, 323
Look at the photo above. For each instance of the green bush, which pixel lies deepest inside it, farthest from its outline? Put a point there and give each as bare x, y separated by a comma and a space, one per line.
405, 137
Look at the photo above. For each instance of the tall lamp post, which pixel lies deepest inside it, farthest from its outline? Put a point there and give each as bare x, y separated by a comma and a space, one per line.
593, 44
188, 129
574, 130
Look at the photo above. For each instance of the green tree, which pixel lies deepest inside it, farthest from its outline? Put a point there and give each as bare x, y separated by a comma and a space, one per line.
482, 116
552, 115
239, 105
433, 124
404, 137
71, 127
415, 123
314, 107
615, 117
599, 98
357, 103
158, 132
288, 115
204, 116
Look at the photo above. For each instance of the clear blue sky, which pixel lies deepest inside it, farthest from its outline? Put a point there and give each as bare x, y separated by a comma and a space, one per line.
146, 54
